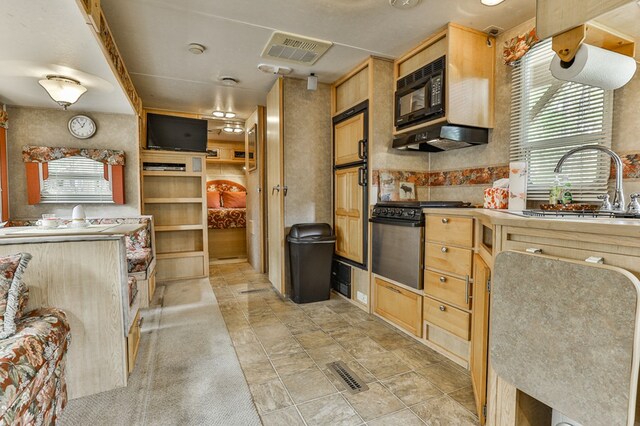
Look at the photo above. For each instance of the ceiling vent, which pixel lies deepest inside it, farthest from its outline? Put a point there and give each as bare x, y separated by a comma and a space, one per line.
295, 48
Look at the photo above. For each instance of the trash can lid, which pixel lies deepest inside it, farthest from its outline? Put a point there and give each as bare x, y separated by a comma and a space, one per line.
311, 232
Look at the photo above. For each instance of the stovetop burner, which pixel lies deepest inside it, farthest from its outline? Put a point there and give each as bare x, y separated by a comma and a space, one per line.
423, 204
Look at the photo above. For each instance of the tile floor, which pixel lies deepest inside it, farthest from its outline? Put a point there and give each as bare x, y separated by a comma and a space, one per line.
284, 348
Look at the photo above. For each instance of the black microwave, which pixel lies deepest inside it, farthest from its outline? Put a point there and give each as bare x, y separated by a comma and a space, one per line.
420, 96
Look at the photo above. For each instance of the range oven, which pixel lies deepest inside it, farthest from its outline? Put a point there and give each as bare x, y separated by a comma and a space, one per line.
397, 251
420, 96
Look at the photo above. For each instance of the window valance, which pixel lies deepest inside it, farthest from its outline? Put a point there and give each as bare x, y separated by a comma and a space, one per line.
44, 154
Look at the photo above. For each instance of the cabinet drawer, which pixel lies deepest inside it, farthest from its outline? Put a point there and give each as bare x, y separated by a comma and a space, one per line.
133, 342
448, 289
457, 231
447, 317
400, 306
629, 263
449, 259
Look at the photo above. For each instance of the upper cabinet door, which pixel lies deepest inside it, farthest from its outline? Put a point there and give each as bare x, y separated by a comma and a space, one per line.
557, 16
349, 140
480, 334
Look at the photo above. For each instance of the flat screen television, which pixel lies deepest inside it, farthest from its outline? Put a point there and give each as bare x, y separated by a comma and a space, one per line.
176, 133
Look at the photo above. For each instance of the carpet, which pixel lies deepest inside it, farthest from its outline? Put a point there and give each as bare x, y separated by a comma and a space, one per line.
186, 373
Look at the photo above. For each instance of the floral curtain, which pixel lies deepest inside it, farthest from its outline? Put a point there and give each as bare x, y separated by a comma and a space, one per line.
44, 154
517, 47
4, 117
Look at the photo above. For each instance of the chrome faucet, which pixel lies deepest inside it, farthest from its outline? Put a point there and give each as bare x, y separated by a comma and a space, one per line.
618, 203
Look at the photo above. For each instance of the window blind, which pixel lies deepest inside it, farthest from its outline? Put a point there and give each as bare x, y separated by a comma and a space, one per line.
75, 180
549, 117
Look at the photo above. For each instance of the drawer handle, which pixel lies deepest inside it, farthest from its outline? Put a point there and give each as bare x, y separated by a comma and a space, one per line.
466, 289
395, 290
534, 250
595, 259
445, 220
444, 249
443, 308
443, 279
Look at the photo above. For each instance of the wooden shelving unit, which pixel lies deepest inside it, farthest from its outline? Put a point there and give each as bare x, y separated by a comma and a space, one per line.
177, 200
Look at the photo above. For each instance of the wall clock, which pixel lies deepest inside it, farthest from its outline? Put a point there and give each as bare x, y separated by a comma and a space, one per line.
82, 127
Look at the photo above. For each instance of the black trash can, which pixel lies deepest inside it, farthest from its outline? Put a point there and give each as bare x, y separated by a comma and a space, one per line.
311, 248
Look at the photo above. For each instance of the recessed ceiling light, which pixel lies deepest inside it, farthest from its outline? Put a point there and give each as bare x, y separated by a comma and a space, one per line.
222, 114
491, 2
404, 4
228, 80
196, 48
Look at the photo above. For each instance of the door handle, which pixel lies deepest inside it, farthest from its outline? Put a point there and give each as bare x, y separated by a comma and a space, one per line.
285, 189
466, 289
362, 149
362, 176
274, 189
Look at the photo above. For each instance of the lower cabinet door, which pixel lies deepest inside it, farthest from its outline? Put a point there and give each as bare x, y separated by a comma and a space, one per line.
398, 305
133, 342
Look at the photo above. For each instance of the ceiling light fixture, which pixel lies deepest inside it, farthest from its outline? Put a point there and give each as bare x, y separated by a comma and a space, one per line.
227, 129
404, 4
222, 114
229, 81
274, 69
196, 48
491, 2
238, 130
63, 90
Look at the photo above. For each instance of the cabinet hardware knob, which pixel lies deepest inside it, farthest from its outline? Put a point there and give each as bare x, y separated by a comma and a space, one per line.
442, 308
442, 279
534, 250
445, 220
444, 249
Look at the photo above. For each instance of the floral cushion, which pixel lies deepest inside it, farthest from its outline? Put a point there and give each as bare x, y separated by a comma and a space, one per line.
32, 368
13, 292
138, 260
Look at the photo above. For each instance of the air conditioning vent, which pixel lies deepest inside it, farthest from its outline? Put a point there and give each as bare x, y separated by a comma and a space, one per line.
294, 48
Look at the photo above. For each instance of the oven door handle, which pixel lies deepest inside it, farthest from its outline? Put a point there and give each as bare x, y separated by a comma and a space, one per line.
397, 222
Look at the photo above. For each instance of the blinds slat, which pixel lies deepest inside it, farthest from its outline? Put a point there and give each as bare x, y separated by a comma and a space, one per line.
548, 118
76, 180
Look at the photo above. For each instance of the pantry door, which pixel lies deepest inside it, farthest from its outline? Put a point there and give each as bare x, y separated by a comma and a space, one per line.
275, 188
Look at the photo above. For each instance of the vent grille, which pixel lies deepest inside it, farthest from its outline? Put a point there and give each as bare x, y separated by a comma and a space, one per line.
419, 74
352, 382
293, 48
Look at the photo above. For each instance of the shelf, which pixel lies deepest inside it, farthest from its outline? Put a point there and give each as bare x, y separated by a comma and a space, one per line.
160, 173
179, 254
167, 228
172, 200
216, 161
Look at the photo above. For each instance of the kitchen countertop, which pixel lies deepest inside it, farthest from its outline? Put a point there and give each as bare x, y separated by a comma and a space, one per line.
622, 227
30, 234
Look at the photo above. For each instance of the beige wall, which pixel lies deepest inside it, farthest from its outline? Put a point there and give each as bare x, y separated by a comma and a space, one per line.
48, 127
307, 153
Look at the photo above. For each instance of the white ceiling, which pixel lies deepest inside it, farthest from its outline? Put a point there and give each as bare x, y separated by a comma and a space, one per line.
153, 35
41, 37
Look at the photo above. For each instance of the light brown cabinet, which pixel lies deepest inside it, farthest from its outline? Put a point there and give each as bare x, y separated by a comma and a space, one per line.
398, 305
455, 291
445, 316
480, 334
556, 16
349, 214
349, 140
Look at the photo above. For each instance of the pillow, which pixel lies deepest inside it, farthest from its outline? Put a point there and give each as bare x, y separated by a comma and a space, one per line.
13, 293
213, 200
234, 200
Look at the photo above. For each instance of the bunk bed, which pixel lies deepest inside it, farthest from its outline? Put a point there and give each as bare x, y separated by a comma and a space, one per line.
226, 219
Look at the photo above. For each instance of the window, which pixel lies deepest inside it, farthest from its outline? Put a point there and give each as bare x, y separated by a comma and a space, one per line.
76, 180
549, 117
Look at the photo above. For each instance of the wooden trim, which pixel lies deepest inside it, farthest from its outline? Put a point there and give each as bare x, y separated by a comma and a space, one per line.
117, 184
353, 72
33, 183
4, 177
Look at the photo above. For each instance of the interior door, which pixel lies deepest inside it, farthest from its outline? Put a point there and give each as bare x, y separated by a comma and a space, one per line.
255, 189
349, 140
275, 184
480, 334
349, 213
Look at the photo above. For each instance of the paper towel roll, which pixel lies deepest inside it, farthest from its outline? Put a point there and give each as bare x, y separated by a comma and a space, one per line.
596, 67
